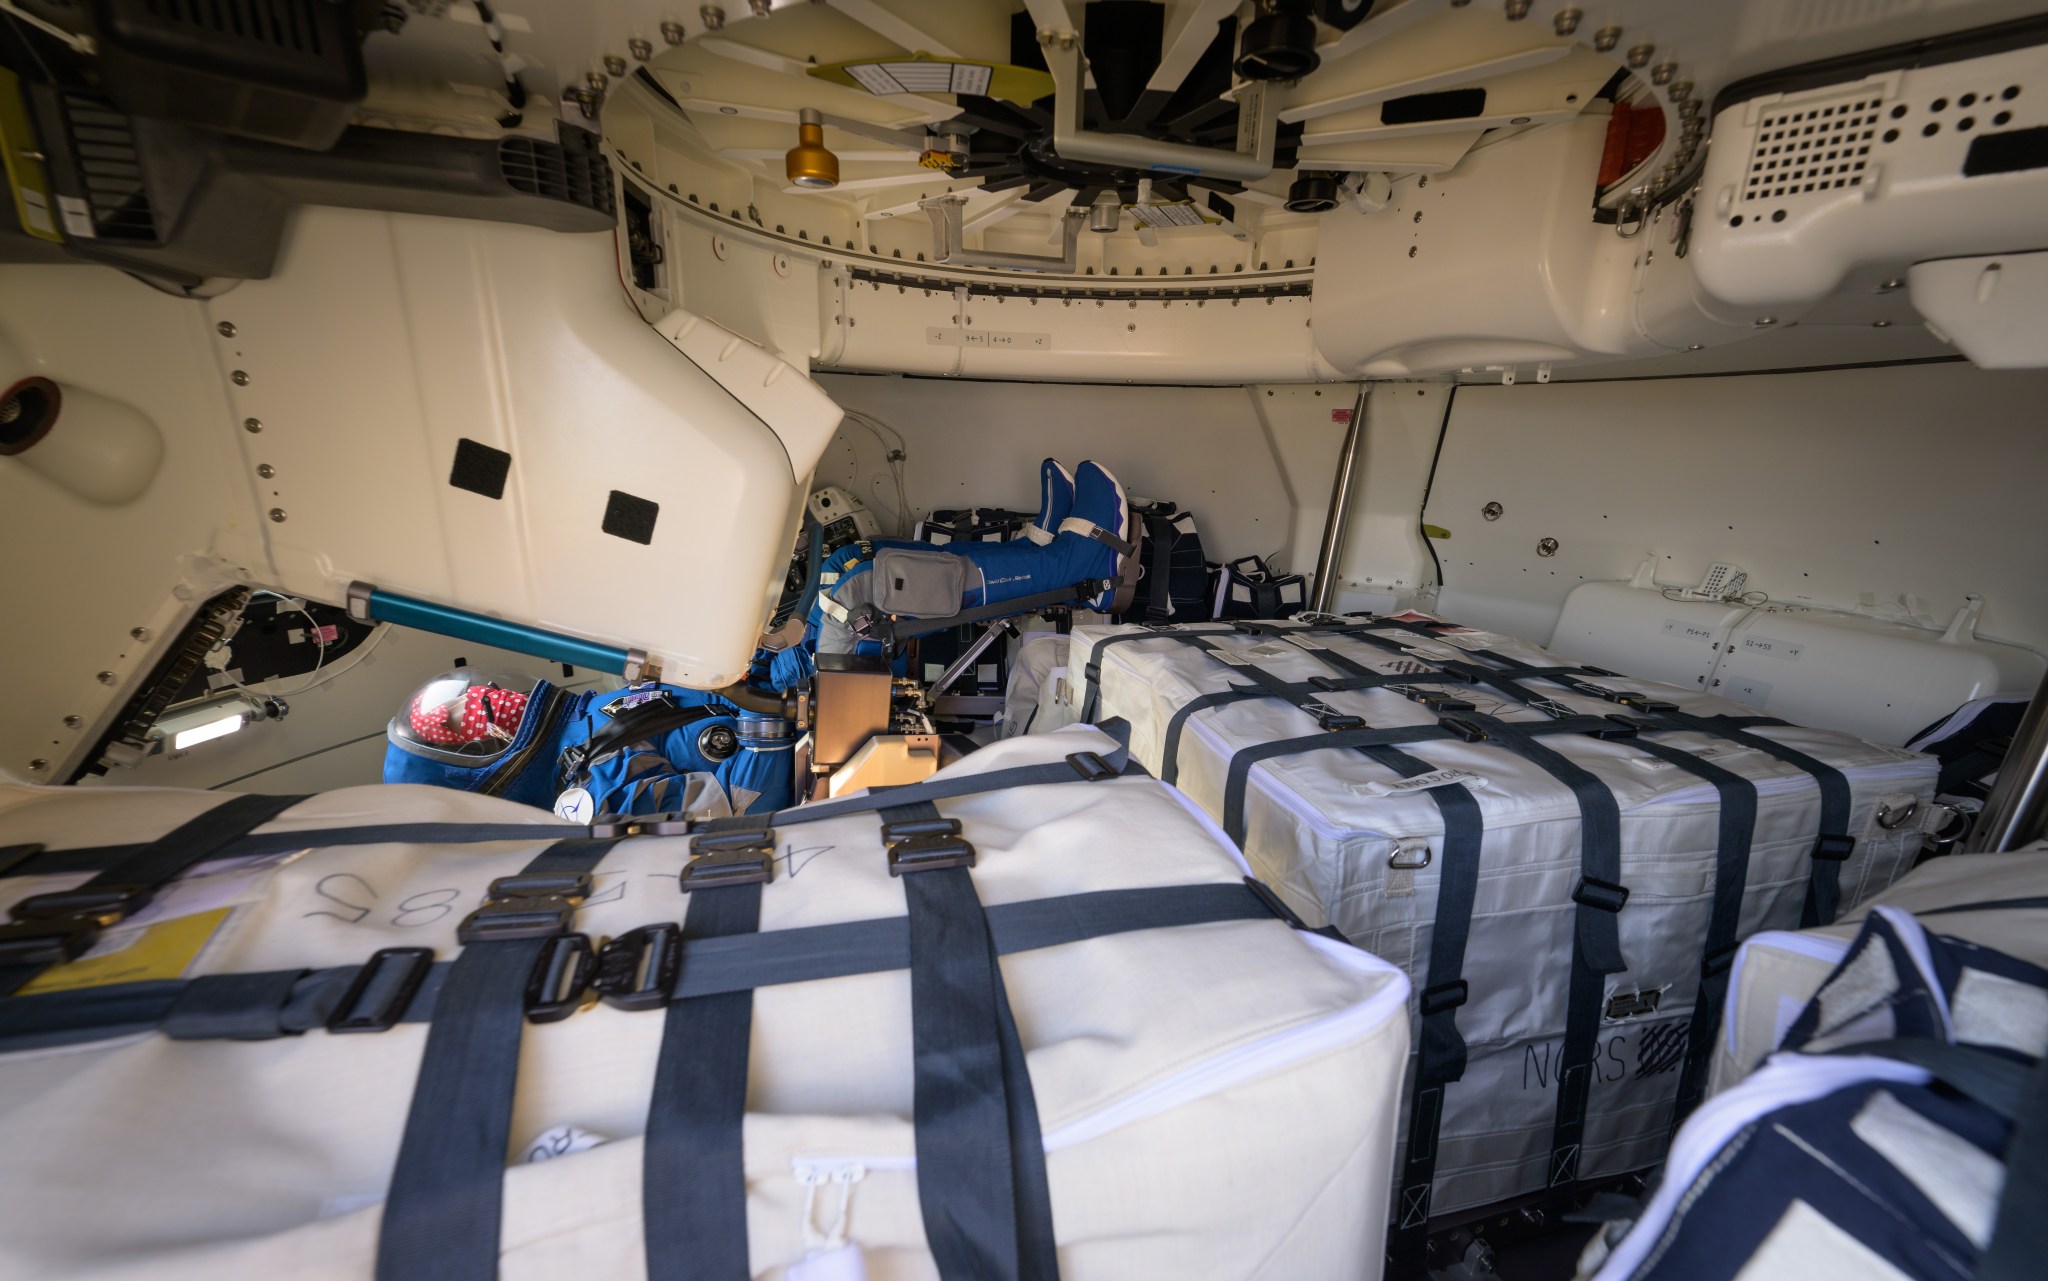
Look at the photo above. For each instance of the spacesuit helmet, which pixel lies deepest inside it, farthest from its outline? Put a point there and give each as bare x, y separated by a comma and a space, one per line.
471, 711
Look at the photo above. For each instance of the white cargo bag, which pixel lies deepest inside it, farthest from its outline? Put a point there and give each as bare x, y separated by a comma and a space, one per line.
1998, 901
1211, 1098
1554, 1041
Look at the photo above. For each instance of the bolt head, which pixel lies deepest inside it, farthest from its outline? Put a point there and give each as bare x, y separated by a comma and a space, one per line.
641, 49
1606, 38
713, 16
139, 633
1680, 89
38, 765
226, 328
252, 425
1566, 21
1765, 322
240, 377
265, 470
72, 722
1663, 72
105, 678
597, 80
614, 65
673, 33
1640, 55
1517, 10
277, 515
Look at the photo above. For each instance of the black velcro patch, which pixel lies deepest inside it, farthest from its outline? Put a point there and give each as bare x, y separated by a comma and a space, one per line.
630, 518
479, 468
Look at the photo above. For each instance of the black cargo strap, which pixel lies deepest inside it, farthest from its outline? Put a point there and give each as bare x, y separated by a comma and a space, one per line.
693, 1199
903, 629
1440, 1051
2017, 1092
1163, 534
981, 1180
1724, 917
271, 1004
61, 925
1832, 846
1596, 938
1244, 758
442, 1216
1086, 765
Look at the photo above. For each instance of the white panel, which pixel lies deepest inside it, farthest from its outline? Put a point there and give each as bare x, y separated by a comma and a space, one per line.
1817, 667
383, 340
980, 444
1221, 340
1850, 488
1995, 308
1498, 262
81, 576
1802, 188
1383, 549
1642, 633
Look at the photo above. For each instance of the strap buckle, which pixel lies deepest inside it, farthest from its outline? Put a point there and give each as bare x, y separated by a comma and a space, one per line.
47, 942
1470, 731
638, 969
99, 904
612, 826
1155, 627
1605, 896
1329, 718
720, 859
1435, 700
1655, 708
1834, 848
925, 845
1327, 684
1444, 997
526, 906
393, 988
1621, 727
560, 978
1089, 765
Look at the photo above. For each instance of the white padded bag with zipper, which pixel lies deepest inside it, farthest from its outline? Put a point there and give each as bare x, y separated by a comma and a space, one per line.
1346, 843
1999, 901
1216, 1100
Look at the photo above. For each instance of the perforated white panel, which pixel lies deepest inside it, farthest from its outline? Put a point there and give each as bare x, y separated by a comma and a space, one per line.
1812, 148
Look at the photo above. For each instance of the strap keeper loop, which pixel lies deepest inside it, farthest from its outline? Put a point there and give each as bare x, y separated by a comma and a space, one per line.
1834, 848
1444, 997
350, 1015
1089, 765
1603, 896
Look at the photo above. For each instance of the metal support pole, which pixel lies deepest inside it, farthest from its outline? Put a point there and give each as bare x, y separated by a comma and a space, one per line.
1332, 551
2017, 810
997, 628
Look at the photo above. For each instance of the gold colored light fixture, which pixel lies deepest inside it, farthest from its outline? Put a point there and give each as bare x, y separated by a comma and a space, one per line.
809, 164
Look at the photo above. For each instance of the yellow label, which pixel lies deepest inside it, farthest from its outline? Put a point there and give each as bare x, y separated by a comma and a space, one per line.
163, 951
29, 184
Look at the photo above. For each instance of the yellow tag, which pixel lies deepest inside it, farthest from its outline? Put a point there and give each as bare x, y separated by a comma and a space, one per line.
163, 952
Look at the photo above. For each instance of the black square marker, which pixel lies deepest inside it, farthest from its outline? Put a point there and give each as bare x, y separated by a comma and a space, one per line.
479, 468
630, 518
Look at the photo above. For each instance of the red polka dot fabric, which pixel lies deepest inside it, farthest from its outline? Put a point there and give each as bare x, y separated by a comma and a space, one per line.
468, 719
